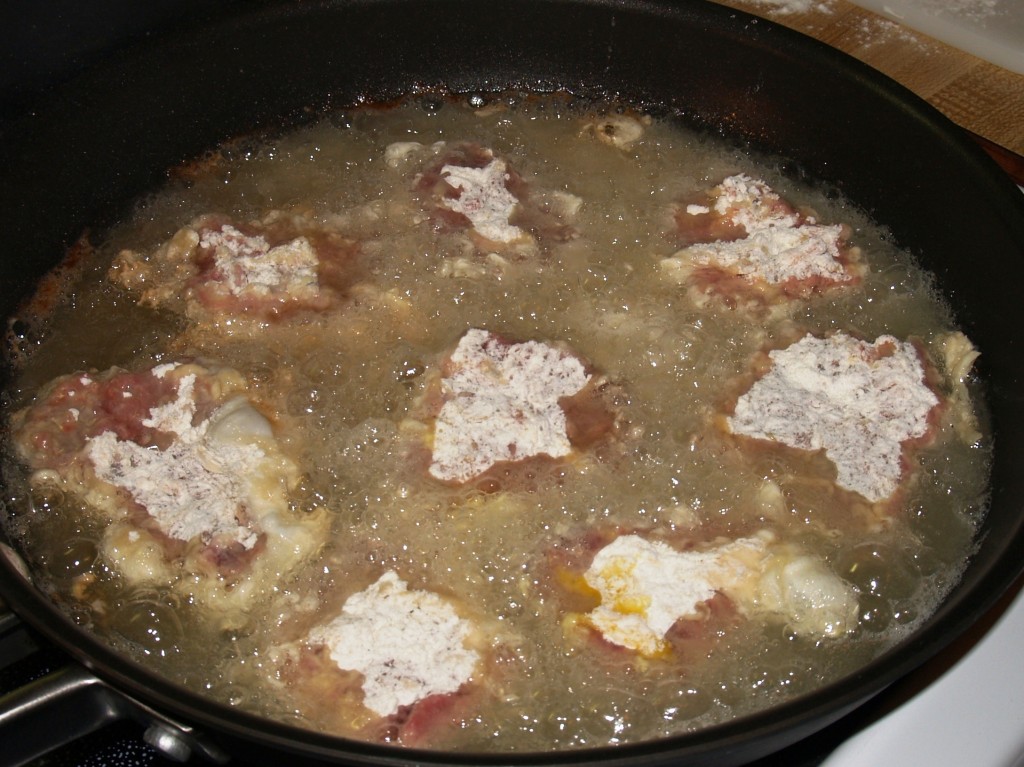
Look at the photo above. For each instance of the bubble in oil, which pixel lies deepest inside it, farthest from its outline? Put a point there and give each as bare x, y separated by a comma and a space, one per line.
307, 498
431, 104
234, 695
47, 498
687, 703
73, 558
151, 624
875, 569
304, 401
324, 366
875, 614
341, 119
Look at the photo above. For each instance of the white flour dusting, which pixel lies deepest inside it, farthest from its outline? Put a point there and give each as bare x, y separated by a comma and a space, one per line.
501, 404
249, 264
646, 586
408, 644
790, 7
777, 254
196, 486
484, 199
857, 401
779, 247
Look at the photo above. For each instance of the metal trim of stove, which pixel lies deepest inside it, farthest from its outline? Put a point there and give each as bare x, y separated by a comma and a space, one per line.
80, 703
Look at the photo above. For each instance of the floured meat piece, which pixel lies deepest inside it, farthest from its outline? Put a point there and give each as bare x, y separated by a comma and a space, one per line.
483, 197
465, 187
862, 403
750, 248
733, 210
394, 665
215, 268
500, 402
185, 474
646, 587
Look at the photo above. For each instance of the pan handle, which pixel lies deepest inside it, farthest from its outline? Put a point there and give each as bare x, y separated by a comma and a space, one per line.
69, 703
70, 696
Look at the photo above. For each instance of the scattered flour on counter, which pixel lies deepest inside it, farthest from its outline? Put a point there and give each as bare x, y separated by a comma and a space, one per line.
790, 7
874, 31
973, 10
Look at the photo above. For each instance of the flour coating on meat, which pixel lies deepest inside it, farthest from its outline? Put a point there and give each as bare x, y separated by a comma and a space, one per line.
216, 271
194, 487
647, 586
407, 644
777, 255
185, 475
752, 204
484, 199
250, 264
857, 401
501, 403
778, 245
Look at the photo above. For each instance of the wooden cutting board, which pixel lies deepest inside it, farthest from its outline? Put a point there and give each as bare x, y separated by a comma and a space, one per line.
984, 98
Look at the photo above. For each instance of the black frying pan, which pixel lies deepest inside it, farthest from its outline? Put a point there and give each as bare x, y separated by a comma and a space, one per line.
77, 154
